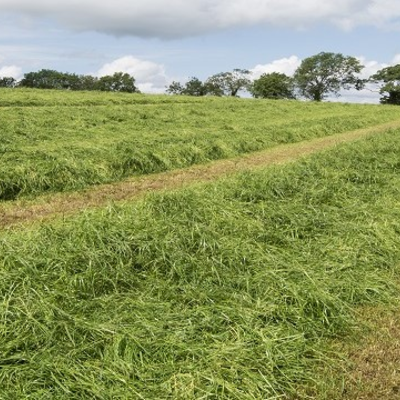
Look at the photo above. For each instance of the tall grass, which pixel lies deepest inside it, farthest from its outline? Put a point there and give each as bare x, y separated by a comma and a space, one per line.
222, 291
52, 141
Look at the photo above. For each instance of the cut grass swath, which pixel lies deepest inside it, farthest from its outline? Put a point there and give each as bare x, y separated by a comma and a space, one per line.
223, 291
52, 141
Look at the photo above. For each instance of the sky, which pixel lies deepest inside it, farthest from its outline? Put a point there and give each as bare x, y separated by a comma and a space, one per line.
159, 41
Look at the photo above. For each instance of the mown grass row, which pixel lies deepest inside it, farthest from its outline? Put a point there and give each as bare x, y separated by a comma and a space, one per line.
25, 97
81, 139
223, 291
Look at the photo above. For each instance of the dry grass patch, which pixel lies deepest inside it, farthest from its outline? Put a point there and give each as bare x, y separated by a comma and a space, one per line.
364, 365
375, 359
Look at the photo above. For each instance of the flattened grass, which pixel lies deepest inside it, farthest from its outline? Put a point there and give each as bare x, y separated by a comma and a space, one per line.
223, 291
59, 141
54, 205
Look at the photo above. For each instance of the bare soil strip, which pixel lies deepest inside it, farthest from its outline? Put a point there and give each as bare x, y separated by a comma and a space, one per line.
62, 204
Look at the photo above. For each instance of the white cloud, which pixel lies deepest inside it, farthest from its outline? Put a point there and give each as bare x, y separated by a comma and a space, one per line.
365, 96
150, 77
371, 92
11, 71
180, 18
396, 59
370, 67
284, 65
383, 13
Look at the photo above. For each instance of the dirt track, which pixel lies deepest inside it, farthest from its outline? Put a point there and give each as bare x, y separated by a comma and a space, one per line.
56, 205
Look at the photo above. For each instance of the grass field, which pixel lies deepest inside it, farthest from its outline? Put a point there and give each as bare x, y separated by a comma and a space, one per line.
229, 290
60, 141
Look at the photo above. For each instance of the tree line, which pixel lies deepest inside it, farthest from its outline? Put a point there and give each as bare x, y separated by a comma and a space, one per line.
316, 78
50, 79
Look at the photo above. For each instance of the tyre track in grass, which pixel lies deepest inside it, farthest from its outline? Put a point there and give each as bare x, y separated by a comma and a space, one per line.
57, 205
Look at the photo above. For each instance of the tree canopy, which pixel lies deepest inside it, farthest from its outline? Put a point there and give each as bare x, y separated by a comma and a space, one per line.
50, 79
327, 73
389, 78
175, 88
228, 83
193, 87
274, 85
221, 84
8, 82
119, 82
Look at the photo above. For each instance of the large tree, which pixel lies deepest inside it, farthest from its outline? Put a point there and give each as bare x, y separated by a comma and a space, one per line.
45, 79
228, 83
327, 73
175, 88
274, 85
389, 79
119, 82
193, 87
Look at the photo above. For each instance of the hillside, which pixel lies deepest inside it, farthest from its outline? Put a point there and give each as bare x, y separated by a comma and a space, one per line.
241, 287
61, 141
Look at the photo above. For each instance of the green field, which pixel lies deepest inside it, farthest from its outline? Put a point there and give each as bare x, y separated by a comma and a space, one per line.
229, 290
61, 141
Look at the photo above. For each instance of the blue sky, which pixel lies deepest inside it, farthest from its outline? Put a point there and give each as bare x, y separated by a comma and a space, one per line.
158, 41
